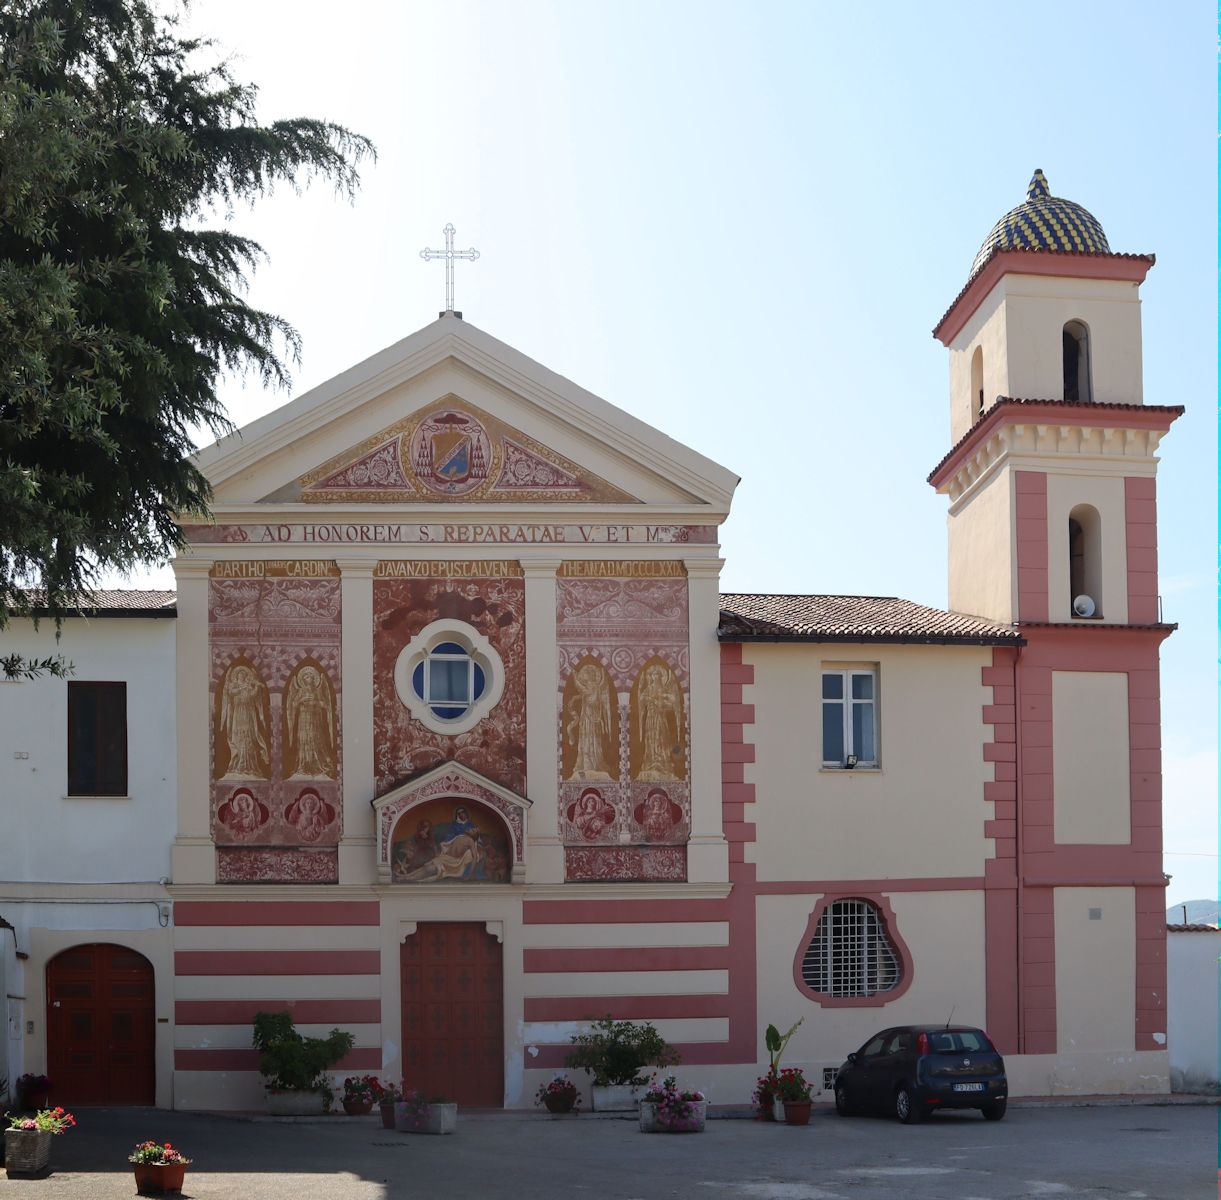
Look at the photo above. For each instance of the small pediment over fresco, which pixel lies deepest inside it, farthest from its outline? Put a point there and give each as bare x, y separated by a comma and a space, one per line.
454, 452
451, 824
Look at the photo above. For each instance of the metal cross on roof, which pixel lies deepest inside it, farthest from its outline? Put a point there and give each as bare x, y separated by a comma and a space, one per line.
449, 254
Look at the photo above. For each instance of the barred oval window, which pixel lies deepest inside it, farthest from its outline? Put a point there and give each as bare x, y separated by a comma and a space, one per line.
850, 953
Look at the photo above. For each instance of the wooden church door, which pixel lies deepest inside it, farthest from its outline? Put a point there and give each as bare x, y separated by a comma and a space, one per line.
100, 1026
453, 1013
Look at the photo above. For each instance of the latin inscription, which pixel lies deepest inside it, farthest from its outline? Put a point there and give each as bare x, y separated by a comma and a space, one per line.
445, 534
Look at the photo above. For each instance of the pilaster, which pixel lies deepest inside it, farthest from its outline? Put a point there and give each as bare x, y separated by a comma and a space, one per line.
545, 852
707, 852
357, 846
193, 855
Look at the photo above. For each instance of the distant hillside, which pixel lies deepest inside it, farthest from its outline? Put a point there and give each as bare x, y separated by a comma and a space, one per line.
1199, 912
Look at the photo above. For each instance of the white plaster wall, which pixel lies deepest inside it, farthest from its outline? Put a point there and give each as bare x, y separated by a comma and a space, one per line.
1089, 1073
944, 932
1192, 1008
921, 814
985, 329
1095, 969
1037, 308
1106, 494
982, 554
88, 839
1091, 766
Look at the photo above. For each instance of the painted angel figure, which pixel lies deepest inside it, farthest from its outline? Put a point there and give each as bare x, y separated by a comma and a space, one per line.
243, 721
310, 724
660, 722
589, 723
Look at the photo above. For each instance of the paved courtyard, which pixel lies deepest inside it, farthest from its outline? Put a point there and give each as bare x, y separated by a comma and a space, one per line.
1142, 1152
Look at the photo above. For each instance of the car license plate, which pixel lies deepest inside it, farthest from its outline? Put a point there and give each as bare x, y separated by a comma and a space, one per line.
968, 1087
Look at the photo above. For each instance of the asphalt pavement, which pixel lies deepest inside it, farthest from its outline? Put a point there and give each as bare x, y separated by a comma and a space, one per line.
1140, 1152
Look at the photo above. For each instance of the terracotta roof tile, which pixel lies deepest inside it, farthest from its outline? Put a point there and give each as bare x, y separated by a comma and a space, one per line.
124, 601
1018, 401
804, 618
1192, 929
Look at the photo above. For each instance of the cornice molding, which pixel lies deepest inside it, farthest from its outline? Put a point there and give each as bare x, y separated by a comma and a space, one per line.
1092, 449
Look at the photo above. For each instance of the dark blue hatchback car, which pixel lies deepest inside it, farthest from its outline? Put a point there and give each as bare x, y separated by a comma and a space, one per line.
914, 1070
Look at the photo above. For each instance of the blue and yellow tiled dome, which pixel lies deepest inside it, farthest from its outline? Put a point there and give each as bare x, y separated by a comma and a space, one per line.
1044, 222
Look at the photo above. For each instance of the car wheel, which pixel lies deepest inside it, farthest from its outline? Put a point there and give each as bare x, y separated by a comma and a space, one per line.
994, 1112
907, 1108
842, 1104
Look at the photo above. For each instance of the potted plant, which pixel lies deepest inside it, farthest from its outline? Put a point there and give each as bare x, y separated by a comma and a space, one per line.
765, 1094
615, 1053
27, 1140
558, 1096
159, 1166
417, 1113
33, 1092
667, 1108
794, 1091
391, 1095
360, 1093
294, 1066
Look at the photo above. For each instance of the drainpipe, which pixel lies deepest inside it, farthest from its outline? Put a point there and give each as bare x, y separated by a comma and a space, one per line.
1017, 843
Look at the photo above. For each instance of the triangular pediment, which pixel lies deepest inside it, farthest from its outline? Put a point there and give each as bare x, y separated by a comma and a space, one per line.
452, 416
453, 452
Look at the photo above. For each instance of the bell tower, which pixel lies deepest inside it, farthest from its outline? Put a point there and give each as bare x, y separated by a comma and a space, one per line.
1051, 482
1051, 478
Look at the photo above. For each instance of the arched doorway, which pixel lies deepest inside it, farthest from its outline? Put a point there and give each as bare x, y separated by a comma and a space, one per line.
101, 1026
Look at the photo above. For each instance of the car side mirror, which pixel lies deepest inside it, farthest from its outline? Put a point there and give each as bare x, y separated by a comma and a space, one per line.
852, 1057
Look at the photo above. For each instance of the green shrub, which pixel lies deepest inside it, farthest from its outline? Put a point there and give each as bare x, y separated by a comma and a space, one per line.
290, 1062
614, 1052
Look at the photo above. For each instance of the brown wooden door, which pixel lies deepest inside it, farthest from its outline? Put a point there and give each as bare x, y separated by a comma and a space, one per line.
100, 1026
453, 1013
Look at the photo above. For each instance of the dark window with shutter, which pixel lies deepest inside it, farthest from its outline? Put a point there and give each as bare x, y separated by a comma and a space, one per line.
97, 739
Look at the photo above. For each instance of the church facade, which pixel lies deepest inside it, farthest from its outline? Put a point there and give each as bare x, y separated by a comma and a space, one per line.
470, 748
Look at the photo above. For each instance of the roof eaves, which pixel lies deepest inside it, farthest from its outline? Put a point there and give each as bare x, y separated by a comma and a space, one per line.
1151, 259
1004, 403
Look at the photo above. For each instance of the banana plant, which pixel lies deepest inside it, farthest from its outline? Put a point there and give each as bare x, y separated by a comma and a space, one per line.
775, 1042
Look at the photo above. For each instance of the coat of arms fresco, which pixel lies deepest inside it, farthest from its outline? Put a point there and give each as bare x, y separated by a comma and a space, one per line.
453, 451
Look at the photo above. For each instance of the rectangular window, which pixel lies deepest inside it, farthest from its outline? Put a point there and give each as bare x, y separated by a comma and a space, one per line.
849, 718
97, 739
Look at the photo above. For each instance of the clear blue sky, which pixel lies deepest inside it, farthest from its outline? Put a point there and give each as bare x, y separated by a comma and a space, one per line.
740, 221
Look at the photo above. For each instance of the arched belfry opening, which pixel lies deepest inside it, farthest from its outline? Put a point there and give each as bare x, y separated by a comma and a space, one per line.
1085, 562
1076, 347
977, 384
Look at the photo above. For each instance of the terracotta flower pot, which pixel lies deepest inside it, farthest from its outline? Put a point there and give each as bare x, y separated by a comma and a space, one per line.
356, 1106
797, 1112
155, 1179
387, 1111
559, 1103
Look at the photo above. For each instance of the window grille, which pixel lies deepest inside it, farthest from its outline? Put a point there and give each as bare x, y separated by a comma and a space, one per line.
828, 1078
850, 954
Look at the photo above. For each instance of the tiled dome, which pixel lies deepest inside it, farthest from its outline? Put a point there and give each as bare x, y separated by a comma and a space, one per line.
1044, 222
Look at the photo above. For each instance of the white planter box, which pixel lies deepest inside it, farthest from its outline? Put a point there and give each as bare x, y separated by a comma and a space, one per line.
294, 1103
434, 1118
615, 1097
693, 1123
